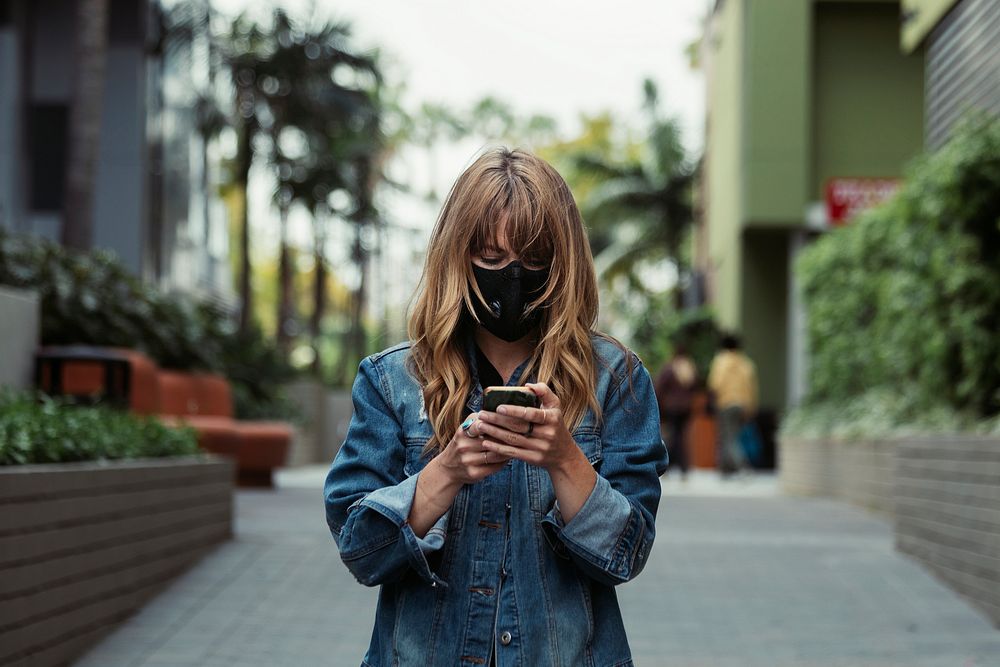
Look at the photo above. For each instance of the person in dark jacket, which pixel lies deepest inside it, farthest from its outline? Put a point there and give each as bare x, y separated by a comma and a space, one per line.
674, 392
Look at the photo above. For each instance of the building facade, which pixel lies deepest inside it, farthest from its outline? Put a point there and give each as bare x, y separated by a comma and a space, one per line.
155, 201
801, 96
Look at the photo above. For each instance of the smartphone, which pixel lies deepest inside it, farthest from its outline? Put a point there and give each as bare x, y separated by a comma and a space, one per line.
494, 397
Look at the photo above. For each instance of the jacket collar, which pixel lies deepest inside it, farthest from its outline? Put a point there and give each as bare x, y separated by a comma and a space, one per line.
475, 400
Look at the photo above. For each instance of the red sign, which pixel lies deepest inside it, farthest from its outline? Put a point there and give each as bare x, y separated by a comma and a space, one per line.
846, 197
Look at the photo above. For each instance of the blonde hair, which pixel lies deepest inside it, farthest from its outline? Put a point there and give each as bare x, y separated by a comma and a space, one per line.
520, 195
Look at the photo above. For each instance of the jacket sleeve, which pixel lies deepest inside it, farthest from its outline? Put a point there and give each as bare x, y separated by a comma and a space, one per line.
612, 534
368, 497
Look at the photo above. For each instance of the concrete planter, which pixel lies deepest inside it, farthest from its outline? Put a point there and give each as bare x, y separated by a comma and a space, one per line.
947, 493
858, 472
83, 545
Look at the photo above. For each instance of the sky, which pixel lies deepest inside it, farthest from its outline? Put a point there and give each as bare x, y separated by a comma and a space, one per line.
552, 57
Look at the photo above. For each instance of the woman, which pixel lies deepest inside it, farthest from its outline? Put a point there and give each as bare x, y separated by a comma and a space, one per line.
497, 537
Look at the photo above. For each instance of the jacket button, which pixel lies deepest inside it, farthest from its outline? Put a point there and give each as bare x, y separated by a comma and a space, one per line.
505, 638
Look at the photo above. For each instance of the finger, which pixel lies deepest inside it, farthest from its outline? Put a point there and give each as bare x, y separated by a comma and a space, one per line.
533, 415
484, 458
469, 427
511, 423
544, 394
518, 440
526, 455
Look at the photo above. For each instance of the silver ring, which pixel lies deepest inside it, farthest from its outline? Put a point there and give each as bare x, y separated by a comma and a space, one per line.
486, 458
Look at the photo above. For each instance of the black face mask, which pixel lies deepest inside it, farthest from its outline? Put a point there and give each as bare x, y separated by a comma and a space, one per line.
508, 292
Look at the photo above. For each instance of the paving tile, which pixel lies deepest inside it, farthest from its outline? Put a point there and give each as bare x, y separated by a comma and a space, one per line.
740, 576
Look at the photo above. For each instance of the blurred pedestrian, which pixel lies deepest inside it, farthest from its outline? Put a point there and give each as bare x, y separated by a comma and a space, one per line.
498, 535
675, 387
732, 380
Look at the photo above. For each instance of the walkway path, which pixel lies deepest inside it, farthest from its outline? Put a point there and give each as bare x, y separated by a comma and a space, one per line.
739, 577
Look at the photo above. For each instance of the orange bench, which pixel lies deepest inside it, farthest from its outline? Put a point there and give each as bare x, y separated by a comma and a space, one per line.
200, 400
204, 401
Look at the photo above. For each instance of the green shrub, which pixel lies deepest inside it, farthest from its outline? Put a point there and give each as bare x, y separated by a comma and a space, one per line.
905, 301
44, 430
92, 299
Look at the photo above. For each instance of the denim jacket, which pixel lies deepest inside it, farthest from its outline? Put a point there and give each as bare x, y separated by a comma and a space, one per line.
500, 572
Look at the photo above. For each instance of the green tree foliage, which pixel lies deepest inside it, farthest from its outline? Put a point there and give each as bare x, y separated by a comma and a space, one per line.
905, 301
635, 197
640, 210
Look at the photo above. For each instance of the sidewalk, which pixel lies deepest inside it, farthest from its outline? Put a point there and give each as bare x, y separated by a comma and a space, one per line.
740, 577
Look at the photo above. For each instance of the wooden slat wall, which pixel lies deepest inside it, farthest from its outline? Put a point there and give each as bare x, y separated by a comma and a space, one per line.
948, 513
962, 67
942, 493
83, 546
859, 472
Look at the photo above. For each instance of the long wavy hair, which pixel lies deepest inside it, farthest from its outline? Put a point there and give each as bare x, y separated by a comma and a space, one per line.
515, 193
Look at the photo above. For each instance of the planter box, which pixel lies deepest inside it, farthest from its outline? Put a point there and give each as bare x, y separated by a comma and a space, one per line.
858, 472
941, 492
84, 545
948, 513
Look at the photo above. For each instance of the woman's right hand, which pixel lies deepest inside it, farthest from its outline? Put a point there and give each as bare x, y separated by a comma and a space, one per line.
465, 460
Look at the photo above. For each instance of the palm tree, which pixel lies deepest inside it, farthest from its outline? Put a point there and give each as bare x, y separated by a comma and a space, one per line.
243, 49
210, 121
317, 91
640, 210
85, 122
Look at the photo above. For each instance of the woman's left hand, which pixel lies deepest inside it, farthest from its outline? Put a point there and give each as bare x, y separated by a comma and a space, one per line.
534, 435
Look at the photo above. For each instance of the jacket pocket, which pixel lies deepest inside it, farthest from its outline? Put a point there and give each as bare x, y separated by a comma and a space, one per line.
415, 459
541, 495
589, 442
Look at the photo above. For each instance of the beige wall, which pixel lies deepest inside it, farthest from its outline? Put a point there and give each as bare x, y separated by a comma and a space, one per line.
723, 161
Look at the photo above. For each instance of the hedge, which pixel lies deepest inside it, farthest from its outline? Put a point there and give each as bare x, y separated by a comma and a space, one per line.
904, 302
44, 430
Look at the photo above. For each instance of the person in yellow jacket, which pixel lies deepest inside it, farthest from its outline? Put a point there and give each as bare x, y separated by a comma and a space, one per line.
732, 379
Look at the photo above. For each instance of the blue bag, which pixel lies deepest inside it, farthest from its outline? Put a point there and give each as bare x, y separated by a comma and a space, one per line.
750, 442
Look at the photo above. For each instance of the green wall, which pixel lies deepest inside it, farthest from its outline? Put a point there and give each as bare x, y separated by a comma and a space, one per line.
868, 96
776, 91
